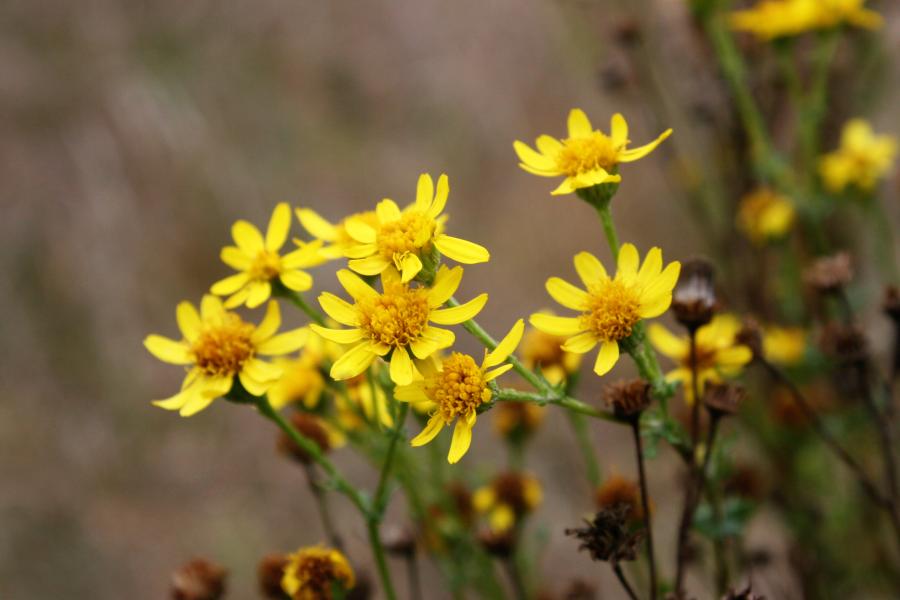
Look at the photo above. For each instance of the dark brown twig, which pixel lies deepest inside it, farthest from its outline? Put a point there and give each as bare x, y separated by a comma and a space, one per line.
617, 569
645, 502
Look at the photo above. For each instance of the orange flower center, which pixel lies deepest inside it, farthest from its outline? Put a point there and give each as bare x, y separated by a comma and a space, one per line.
397, 317
612, 310
582, 155
224, 348
459, 388
412, 232
266, 266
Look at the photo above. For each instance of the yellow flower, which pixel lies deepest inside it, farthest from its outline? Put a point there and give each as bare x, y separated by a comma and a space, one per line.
544, 351
311, 573
764, 214
771, 19
610, 308
402, 239
456, 390
718, 353
509, 498
302, 379
363, 402
862, 159
259, 263
219, 346
339, 241
587, 157
784, 345
396, 321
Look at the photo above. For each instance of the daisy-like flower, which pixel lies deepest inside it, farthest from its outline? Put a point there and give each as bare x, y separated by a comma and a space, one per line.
508, 499
219, 346
610, 307
718, 353
396, 321
587, 157
259, 263
764, 215
773, 19
313, 573
402, 239
363, 402
302, 380
333, 234
785, 346
861, 160
456, 390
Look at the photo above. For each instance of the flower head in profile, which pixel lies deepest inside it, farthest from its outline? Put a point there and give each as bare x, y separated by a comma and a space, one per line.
402, 239
313, 573
508, 499
609, 307
765, 215
861, 160
773, 19
397, 321
302, 380
544, 351
259, 264
218, 346
785, 346
363, 404
586, 158
718, 354
455, 391
333, 234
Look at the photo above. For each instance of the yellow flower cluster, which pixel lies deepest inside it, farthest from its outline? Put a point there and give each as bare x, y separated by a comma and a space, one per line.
772, 19
861, 160
765, 215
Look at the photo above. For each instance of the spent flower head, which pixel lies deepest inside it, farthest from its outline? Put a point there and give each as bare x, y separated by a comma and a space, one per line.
259, 264
198, 579
586, 158
313, 573
456, 390
610, 307
218, 346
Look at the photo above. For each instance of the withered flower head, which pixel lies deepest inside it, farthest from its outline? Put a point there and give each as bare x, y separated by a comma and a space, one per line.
694, 298
311, 427
621, 491
198, 579
628, 399
845, 344
500, 544
830, 273
607, 536
750, 335
723, 399
400, 541
891, 303
745, 594
517, 491
269, 573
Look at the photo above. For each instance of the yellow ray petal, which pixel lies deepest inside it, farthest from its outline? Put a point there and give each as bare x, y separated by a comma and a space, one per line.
315, 225
339, 309
642, 151
567, 294
356, 287
414, 392
651, 268
459, 314
247, 237
462, 439
628, 262
371, 265
410, 267
211, 309
460, 250
260, 291
402, 369
667, 342
440, 196
653, 307
506, 346
269, 325
581, 344
492, 375
424, 192
168, 350
230, 284
534, 159
579, 125
606, 358
284, 343
589, 268
445, 285
353, 362
555, 325
434, 427
188, 320
359, 230
299, 281
279, 227
235, 258
618, 128
340, 336
664, 284
387, 211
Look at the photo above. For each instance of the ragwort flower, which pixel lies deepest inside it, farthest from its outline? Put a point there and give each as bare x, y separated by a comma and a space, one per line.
259, 263
544, 351
456, 390
785, 346
508, 499
302, 379
765, 215
219, 346
311, 573
587, 157
611, 307
773, 19
396, 321
718, 353
862, 159
401, 239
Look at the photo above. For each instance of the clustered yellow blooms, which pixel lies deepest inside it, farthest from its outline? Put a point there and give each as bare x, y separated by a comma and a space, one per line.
302, 380
260, 265
772, 19
717, 353
507, 499
765, 214
312, 574
861, 160
219, 346
610, 307
586, 158
455, 391
335, 234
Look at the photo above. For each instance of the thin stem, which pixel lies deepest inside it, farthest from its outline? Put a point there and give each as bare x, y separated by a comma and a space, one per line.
583, 436
515, 578
609, 227
380, 498
297, 300
885, 435
620, 575
559, 400
384, 573
318, 492
645, 502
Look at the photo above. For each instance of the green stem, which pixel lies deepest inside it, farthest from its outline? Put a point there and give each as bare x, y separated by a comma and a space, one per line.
816, 107
384, 572
566, 402
380, 498
609, 228
298, 301
583, 436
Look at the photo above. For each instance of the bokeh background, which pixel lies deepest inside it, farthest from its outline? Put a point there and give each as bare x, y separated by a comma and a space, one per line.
132, 133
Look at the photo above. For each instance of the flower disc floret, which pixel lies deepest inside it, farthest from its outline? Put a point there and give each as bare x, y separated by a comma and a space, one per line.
397, 317
223, 349
459, 388
612, 310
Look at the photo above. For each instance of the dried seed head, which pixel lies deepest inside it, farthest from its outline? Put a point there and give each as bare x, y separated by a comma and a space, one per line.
620, 491
498, 543
399, 541
269, 573
694, 299
461, 497
628, 399
723, 399
845, 344
750, 335
311, 427
829, 274
607, 537
198, 579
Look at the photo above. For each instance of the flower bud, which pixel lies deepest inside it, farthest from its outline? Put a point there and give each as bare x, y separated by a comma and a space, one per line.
198, 579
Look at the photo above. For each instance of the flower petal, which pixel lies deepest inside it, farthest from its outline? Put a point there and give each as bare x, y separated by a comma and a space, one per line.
432, 428
534, 159
460, 250
655, 306
235, 258
269, 325
579, 125
315, 225
668, 343
618, 128
359, 230
664, 284
651, 268
567, 294
247, 237
555, 325
446, 282
606, 358
440, 196
353, 362
307, 255
371, 265
414, 392
188, 320
582, 343
589, 268
424, 192
299, 281
642, 151
356, 287
402, 369
339, 309
253, 385
506, 346
261, 370
492, 375
340, 336
211, 309
284, 343
459, 314
387, 211
462, 439
230, 284
410, 267
279, 227
260, 291
168, 350
628, 262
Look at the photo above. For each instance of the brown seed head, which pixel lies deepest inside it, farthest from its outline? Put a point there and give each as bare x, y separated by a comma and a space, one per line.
511, 489
607, 537
628, 399
830, 273
498, 543
311, 427
461, 498
198, 579
845, 344
694, 299
620, 491
269, 573
723, 399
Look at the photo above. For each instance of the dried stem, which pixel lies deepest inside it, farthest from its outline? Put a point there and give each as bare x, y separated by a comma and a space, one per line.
318, 492
617, 569
645, 502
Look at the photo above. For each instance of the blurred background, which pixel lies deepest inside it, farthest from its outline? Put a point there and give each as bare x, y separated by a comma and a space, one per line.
133, 133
